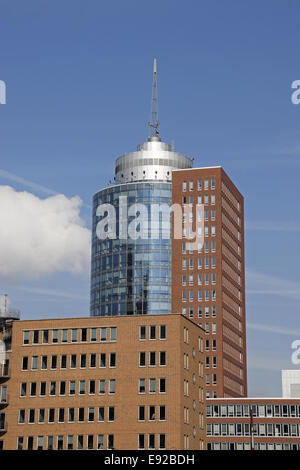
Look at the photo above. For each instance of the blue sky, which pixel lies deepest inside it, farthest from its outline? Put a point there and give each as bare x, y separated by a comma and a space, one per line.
78, 77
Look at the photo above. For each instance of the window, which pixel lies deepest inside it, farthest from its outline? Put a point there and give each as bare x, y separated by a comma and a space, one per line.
21, 419
34, 363
82, 361
162, 332
152, 385
113, 333
142, 385
103, 334
62, 388
152, 358
162, 413
152, 332
20, 443
53, 362
64, 336
74, 335
101, 386
61, 415
110, 441
151, 413
162, 385
102, 360
83, 335
93, 334
23, 389
199, 263
162, 441
80, 442
45, 336
112, 360
213, 199
101, 414
36, 335
40, 442
141, 441
73, 361
199, 185
51, 415
151, 441
93, 360
30, 443
52, 391
72, 389
31, 416
90, 442
184, 186
142, 359
81, 387
71, 415
91, 414
112, 386
111, 413
142, 333
162, 358
213, 183
54, 336
100, 443
60, 442
63, 361
42, 389
80, 415
92, 387
25, 363
25, 337
70, 442
50, 442
206, 184
191, 185
141, 413
44, 363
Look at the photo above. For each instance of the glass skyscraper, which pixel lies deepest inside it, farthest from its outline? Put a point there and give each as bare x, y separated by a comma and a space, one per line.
132, 276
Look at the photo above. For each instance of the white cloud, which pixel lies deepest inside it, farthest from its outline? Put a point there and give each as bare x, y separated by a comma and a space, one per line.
41, 236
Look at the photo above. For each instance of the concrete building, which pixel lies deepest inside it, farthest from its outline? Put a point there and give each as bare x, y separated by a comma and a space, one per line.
275, 421
208, 283
290, 383
103, 383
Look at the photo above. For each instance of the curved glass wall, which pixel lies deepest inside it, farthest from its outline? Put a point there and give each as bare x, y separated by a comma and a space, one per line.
131, 277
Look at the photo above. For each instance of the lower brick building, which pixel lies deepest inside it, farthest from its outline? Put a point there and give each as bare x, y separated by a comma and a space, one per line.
275, 421
103, 383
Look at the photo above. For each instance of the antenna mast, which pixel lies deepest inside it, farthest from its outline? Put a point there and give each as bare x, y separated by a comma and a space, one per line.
153, 125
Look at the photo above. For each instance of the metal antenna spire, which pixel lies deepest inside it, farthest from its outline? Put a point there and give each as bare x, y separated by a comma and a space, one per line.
153, 125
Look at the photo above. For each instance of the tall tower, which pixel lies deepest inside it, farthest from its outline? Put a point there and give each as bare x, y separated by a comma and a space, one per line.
208, 284
133, 276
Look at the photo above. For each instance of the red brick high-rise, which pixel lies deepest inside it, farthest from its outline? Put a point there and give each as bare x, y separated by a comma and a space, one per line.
208, 284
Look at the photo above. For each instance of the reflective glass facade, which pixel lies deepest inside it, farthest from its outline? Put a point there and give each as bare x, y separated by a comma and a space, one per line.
131, 277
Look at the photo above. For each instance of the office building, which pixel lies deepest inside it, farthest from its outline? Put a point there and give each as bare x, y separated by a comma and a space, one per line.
208, 281
103, 383
274, 425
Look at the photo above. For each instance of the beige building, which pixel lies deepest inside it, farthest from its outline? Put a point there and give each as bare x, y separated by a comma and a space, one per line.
103, 383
